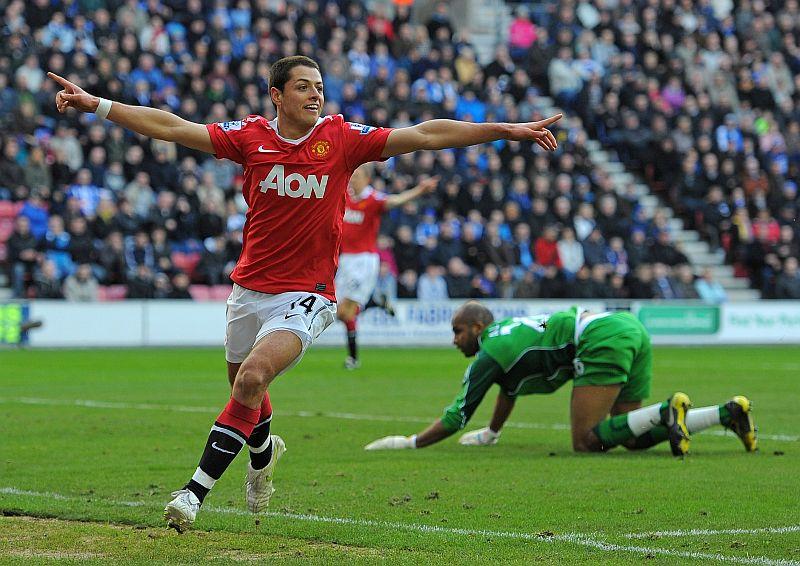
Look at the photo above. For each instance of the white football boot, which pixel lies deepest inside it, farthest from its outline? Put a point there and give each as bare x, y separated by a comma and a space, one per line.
181, 511
258, 483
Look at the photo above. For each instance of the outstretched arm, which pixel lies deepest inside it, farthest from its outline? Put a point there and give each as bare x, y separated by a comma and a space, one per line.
430, 435
426, 186
489, 435
477, 380
441, 134
149, 122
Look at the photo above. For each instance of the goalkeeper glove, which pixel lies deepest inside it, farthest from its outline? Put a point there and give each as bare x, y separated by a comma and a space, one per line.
393, 443
480, 437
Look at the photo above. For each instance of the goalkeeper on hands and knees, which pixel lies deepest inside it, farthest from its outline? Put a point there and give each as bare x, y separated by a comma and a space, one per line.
609, 358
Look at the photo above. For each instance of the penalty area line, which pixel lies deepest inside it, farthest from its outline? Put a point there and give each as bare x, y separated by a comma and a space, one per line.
572, 538
93, 404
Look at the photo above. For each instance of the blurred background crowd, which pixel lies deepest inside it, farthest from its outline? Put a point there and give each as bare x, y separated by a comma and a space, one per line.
699, 98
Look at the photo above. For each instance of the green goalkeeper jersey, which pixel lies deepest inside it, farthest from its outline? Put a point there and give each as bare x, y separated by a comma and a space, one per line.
523, 355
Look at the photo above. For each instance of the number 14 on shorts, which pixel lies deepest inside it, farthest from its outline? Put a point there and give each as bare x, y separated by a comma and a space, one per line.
306, 305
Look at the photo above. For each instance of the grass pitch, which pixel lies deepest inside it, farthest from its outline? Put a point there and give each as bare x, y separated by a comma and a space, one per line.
92, 443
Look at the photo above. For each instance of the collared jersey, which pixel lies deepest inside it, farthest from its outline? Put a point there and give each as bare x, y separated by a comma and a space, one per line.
295, 193
362, 220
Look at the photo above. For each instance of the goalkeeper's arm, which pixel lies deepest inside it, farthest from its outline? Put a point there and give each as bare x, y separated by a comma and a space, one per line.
479, 377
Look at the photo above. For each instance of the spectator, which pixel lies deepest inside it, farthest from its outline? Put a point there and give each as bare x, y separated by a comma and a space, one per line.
432, 285
138, 252
111, 259
570, 252
82, 285
788, 284
684, 283
23, 255
663, 287
708, 290
407, 285
47, 283
141, 283
594, 248
56, 244
180, 287
547, 248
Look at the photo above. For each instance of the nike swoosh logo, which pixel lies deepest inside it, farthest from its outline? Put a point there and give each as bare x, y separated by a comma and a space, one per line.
288, 316
215, 447
262, 150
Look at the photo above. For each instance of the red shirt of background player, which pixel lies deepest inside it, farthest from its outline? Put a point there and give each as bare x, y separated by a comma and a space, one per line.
362, 220
295, 191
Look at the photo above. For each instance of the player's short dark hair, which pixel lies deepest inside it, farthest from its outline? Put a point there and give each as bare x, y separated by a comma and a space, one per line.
472, 312
279, 72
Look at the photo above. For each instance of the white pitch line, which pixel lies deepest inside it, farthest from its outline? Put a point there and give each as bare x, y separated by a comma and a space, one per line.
573, 538
712, 532
330, 415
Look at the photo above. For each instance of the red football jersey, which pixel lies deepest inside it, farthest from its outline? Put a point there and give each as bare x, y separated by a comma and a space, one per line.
295, 193
362, 220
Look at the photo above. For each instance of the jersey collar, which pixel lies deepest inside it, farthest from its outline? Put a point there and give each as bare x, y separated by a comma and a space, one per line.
274, 125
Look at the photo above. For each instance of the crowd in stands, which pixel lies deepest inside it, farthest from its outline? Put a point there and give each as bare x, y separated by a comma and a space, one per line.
702, 102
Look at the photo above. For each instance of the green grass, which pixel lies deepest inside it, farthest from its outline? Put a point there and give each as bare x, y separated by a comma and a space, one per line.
88, 483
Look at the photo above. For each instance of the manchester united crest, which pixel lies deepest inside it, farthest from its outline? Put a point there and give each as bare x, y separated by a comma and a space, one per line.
320, 149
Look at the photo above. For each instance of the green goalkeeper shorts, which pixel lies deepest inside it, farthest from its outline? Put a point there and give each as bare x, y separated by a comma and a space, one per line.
616, 349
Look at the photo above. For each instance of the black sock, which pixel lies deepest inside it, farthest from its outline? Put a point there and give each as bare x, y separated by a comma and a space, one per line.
222, 446
260, 445
371, 303
351, 344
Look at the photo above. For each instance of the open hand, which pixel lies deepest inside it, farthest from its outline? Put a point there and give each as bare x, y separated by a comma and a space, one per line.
480, 437
73, 96
536, 131
390, 443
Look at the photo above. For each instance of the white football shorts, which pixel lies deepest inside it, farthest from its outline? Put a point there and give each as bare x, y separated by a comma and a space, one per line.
357, 276
251, 315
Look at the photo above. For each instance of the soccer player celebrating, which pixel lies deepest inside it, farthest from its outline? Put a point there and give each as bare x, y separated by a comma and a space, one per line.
296, 169
610, 361
359, 262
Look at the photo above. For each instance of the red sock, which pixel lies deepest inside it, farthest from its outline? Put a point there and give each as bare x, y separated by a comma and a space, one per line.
266, 408
239, 417
350, 325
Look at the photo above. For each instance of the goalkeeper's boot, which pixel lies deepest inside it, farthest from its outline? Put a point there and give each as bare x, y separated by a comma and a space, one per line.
181, 511
675, 421
351, 363
741, 422
258, 483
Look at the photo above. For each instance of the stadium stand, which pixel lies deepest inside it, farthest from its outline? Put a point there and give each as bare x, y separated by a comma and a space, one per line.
681, 144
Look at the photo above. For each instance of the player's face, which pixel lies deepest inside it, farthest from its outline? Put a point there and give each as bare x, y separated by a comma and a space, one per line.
465, 338
302, 99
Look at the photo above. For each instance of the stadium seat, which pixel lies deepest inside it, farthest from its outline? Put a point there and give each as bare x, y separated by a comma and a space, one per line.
200, 292
220, 292
186, 262
111, 292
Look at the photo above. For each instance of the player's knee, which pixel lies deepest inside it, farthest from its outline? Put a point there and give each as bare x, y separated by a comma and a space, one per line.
255, 376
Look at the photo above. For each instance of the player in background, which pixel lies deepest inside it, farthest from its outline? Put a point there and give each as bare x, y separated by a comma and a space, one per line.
296, 170
359, 262
609, 359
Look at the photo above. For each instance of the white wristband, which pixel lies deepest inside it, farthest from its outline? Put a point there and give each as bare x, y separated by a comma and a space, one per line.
103, 108
413, 441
